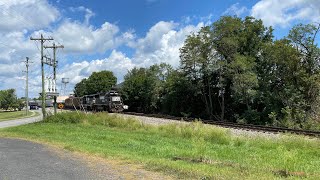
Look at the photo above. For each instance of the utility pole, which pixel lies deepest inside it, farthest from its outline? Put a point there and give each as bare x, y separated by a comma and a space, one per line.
43, 94
54, 64
27, 96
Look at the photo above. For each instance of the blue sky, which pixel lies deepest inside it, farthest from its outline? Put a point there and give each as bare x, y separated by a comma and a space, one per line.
119, 35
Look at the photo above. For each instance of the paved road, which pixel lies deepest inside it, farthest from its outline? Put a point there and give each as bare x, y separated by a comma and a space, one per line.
10, 123
25, 160
20, 159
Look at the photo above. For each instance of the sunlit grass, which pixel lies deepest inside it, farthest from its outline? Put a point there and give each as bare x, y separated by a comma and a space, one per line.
191, 150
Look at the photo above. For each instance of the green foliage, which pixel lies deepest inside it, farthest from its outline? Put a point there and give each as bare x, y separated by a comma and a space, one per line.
233, 70
80, 89
181, 97
8, 99
97, 82
220, 60
143, 88
65, 118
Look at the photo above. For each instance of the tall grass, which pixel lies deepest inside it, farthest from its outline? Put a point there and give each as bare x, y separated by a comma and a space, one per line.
196, 130
193, 150
101, 118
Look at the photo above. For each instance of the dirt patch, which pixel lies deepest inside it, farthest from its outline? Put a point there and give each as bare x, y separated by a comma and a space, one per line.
286, 173
206, 161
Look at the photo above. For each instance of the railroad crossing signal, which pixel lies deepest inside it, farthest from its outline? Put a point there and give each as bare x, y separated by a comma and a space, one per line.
60, 106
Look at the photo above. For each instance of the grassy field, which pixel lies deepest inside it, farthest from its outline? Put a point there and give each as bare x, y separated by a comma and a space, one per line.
4, 115
188, 151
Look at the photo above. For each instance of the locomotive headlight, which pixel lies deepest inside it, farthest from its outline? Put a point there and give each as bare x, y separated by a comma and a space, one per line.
125, 106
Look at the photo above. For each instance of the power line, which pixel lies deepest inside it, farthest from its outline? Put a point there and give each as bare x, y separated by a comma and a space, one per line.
53, 62
27, 92
43, 94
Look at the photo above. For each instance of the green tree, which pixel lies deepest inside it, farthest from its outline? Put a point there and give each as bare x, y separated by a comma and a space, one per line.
238, 43
244, 79
8, 99
137, 90
282, 80
80, 89
200, 64
303, 38
143, 89
221, 61
97, 82
180, 97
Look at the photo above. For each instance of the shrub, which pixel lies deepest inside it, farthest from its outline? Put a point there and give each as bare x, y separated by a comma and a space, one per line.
66, 118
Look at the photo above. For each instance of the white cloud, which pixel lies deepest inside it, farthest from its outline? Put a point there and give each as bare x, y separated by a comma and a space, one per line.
236, 9
26, 14
88, 13
117, 62
80, 38
77, 37
162, 44
283, 12
14, 47
153, 37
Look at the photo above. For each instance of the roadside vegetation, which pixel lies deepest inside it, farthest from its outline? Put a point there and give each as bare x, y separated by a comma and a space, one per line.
188, 151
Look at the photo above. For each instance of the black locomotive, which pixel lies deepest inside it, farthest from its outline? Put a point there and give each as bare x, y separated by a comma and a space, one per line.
109, 101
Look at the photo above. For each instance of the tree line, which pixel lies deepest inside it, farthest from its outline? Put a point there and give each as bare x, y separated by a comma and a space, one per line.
9, 100
234, 70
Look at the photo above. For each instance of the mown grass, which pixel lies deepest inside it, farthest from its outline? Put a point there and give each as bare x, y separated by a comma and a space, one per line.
6, 115
192, 151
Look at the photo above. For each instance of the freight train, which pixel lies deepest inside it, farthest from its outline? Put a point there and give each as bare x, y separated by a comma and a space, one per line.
109, 101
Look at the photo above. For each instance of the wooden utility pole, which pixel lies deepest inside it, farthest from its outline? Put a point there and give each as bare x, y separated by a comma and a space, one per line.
54, 64
27, 92
43, 94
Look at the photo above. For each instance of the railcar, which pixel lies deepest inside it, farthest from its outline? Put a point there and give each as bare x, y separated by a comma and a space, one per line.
72, 102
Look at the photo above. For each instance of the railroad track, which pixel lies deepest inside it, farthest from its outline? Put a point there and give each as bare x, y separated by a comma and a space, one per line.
260, 128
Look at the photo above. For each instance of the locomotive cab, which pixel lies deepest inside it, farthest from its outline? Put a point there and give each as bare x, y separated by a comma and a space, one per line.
115, 102
105, 101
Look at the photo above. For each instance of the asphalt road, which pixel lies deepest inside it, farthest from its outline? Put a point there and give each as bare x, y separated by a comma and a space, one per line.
20, 159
